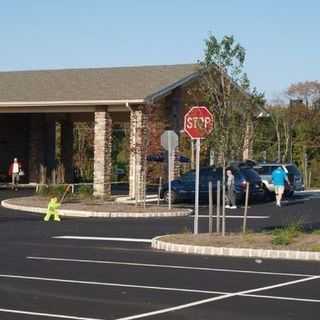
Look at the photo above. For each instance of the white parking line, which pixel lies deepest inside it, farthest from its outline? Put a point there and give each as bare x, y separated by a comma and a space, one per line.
279, 298
166, 266
48, 315
111, 284
235, 217
104, 239
108, 284
223, 297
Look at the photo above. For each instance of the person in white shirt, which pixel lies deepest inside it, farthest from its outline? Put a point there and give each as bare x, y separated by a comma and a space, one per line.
15, 170
231, 195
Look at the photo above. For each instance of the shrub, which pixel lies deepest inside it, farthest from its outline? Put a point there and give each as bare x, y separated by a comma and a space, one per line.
85, 191
185, 230
281, 237
315, 248
284, 236
53, 191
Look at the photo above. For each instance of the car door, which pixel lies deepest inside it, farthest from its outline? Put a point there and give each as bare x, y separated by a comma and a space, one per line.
188, 183
207, 176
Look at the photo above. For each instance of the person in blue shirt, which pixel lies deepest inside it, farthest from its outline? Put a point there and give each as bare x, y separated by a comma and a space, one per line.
279, 178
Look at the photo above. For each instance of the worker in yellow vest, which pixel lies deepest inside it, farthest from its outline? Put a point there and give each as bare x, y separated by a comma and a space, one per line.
52, 210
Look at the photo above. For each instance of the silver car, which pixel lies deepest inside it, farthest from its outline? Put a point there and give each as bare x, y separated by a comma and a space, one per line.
265, 171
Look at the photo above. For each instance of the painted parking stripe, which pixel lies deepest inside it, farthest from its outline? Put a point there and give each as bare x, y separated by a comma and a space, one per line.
235, 216
48, 315
223, 297
280, 298
103, 239
110, 284
166, 266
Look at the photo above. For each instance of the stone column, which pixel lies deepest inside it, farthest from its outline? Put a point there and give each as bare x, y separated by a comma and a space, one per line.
67, 149
36, 149
102, 154
138, 149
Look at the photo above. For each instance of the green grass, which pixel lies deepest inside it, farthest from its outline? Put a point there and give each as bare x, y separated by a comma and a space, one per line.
284, 236
52, 191
84, 191
315, 248
249, 237
185, 230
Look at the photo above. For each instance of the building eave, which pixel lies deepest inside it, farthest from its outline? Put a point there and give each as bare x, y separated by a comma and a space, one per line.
152, 98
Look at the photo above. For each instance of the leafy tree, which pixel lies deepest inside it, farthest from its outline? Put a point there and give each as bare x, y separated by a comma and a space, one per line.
307, 91
225, 89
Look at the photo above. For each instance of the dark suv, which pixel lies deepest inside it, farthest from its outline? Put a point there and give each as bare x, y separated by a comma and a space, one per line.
183, 188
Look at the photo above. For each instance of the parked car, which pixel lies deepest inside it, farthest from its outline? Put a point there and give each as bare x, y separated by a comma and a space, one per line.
183, 188
295, 178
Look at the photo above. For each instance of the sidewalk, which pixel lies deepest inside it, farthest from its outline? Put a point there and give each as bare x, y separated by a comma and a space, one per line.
94, 208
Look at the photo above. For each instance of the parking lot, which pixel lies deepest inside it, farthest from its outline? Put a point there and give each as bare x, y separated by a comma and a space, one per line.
48, 273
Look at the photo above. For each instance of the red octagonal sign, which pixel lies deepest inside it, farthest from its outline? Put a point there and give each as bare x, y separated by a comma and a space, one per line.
198, 122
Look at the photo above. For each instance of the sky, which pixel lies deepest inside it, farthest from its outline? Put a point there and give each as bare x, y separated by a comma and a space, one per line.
281, 37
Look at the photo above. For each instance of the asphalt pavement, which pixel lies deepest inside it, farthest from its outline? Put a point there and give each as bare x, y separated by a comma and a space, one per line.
59, 271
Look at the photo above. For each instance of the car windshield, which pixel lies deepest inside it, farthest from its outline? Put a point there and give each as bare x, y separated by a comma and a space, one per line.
293, 170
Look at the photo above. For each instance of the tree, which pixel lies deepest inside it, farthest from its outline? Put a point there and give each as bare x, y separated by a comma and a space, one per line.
224, 88
220, 70
307, 91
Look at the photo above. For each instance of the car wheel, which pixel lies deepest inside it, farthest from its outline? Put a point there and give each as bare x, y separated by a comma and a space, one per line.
173, 196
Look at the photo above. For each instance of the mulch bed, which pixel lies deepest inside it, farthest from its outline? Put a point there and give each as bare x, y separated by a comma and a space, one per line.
304, 242
91, 205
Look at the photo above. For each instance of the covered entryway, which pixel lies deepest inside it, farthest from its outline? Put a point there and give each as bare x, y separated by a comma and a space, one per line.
33, 102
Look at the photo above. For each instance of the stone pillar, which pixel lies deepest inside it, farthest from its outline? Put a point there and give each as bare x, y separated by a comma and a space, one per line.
102, 154
138, 149
36, 149
67, 149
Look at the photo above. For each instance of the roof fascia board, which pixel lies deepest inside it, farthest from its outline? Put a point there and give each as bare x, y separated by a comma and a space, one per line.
69, 103
63, 109
167, 90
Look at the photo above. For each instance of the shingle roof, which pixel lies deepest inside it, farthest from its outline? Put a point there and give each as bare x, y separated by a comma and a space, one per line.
124, 83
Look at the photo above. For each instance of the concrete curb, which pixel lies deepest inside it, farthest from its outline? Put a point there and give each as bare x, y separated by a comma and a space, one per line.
235, 252
97, 214
128, 200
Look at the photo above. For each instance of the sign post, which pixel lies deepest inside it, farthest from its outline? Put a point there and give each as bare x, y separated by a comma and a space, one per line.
198, 124
169, 141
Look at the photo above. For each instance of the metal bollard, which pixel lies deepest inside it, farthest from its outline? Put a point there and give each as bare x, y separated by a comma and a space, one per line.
210, 206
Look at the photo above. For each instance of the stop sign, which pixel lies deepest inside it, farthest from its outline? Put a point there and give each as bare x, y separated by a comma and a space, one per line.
198, 122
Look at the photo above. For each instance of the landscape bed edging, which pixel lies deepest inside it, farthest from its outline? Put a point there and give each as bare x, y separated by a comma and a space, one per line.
235, 252
88, 214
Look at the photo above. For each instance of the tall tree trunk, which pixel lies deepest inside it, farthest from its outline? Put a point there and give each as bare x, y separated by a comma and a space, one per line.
248, 138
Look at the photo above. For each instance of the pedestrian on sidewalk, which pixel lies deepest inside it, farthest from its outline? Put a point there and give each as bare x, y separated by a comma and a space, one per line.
15, 170
279, 179
231, 192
